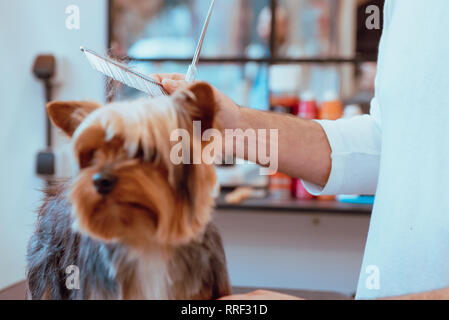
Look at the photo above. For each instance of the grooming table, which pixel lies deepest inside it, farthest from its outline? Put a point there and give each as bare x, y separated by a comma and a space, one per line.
17, 292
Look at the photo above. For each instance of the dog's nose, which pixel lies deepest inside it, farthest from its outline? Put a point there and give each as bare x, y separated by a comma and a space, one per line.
104, 183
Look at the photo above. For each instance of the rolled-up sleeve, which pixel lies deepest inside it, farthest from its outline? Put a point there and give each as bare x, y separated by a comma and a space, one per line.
356, 147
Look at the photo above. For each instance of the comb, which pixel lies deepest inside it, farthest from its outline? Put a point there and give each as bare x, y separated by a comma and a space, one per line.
136, 80
124, 74
191, 73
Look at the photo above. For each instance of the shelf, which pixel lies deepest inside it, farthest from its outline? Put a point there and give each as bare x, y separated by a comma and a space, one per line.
18, 292
271, 61
294, 206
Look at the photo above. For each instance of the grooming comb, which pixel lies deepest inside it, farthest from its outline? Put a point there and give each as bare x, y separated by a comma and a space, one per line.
123, 74
192, 72
134, 79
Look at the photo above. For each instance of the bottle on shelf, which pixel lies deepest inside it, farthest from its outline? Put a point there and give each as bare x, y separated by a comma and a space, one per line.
331, 109
307, 109
351, 111
284, 84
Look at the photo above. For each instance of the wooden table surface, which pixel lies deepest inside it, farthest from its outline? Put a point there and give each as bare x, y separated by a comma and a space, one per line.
17, 292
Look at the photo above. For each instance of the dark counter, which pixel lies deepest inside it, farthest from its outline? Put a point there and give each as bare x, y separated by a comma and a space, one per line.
303, 294
17, 292
295, 206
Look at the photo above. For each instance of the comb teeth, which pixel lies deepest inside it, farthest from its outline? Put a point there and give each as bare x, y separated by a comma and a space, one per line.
123, 74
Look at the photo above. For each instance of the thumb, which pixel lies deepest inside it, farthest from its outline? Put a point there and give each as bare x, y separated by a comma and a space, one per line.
173, 85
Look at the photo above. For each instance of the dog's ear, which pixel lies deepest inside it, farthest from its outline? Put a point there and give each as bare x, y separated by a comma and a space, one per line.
198, 101
68, 115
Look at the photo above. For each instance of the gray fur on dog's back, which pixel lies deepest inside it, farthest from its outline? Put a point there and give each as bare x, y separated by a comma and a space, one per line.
195, 271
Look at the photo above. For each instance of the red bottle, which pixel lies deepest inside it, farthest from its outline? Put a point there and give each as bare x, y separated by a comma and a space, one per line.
307, 109
283, 99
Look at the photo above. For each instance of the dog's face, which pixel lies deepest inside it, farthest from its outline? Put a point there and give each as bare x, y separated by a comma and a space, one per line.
127, 189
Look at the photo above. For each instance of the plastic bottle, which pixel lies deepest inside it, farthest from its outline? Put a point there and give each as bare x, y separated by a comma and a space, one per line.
307, 109
331, 109
352, 111
284, 84
280, 183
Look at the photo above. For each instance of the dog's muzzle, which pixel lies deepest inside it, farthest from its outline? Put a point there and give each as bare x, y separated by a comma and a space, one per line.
104, 182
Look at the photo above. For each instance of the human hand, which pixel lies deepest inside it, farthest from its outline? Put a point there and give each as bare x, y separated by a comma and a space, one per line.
261, 295
228, 112
171, 81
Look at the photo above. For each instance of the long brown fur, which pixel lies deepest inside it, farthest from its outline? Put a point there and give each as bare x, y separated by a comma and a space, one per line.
151, 237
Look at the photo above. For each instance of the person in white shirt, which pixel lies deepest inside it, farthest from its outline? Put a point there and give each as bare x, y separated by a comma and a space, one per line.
400, 153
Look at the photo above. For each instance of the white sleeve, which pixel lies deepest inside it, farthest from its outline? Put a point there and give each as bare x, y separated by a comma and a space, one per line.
356, 148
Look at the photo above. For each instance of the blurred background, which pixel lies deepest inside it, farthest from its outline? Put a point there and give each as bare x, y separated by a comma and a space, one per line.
324, 44
309, 58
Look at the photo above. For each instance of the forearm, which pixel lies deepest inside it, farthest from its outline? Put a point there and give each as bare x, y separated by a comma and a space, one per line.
303, 148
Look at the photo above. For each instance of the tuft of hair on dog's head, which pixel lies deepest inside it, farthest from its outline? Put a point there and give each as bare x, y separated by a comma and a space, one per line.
127, 189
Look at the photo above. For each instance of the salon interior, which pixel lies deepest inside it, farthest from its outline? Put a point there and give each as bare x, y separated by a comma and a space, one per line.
314, 59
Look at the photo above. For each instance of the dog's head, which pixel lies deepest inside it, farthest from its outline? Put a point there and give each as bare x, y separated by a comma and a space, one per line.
127, 188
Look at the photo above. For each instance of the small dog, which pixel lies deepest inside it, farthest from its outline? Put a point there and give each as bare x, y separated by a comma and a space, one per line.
134, 224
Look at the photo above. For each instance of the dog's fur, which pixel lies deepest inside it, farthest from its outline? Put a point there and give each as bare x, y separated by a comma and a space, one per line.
151, 237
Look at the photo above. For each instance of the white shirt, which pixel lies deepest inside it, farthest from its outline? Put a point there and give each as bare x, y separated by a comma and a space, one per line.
401, 153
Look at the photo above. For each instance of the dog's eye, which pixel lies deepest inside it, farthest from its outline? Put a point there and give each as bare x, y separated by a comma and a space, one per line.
85, 158
153, 155
140, 154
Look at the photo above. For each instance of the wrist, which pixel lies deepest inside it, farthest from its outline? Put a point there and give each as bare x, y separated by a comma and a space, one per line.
229, 114
240, 116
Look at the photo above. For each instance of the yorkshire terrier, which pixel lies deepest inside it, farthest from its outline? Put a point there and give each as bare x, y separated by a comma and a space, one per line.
134, 224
